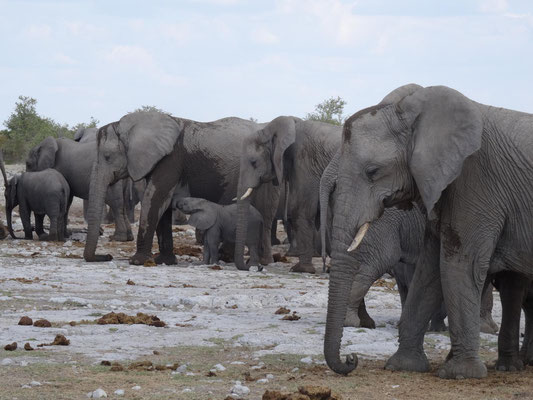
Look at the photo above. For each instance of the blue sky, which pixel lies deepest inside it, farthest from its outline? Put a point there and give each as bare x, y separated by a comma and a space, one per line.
208, 59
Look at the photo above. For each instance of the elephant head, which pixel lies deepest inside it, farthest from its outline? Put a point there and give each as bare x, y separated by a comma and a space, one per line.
130, 147
11, 200
84, 135
203, 213
43, 155
408, 148
3, 231
262, 160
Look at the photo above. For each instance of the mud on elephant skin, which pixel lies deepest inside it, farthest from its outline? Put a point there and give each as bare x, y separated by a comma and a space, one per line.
218, 225
463, 162
43, 193
167, 152
292, 153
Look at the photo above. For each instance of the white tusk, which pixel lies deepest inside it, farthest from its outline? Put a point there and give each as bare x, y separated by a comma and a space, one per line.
234, 199
359, 237
248, 193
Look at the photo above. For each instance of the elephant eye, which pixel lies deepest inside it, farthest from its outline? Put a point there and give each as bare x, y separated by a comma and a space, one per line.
371, 173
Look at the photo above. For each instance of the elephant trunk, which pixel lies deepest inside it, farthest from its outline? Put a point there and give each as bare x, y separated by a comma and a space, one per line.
327, 184
97, 192
240, 233
9, 211
339, 291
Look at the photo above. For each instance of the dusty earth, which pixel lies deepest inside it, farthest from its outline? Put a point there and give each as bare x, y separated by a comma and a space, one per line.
202, 329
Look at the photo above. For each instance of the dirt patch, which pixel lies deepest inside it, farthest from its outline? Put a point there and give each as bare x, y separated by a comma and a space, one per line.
122, 318
291, 317
42, 323
188, 250
282, 310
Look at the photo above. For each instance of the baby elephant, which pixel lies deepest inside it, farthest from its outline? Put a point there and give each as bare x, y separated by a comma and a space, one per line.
218, 224
44, 192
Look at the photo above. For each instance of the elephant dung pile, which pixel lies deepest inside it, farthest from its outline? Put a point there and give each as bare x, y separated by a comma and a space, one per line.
303, 393
122, 318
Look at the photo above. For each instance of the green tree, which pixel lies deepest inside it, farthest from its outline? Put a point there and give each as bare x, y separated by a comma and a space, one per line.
329, 111
25, 128
93, 123
149, 108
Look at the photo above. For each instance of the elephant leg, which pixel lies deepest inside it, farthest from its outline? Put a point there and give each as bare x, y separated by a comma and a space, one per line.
304, 237
211, 241
25, 215
526, 352
357, 294
365, 319
164, 239
66, 232
437, 319
487, 324
513, 288
115, 199
273, 233
458, 268
85, 208
53, 234
39, 230
424, 295
156, 200
254, 254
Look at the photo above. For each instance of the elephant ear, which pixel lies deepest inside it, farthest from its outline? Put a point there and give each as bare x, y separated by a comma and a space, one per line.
281, 132
46, 153
398, 94
148, 137
203, 219
446, 129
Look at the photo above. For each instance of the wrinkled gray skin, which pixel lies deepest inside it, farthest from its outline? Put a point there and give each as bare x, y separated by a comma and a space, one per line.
43, 193
294, 152
74, 161
167, 151
470, 166
399, 238
218, 224
3, 230
516, 293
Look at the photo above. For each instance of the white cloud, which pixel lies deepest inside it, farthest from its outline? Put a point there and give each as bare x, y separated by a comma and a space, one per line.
84, 29
493, 6
41, 31
131, 55
264, 36
64, 59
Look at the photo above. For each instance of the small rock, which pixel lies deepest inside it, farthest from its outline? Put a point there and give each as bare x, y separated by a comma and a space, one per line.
105, 363
186, 390
270, 376
395, 386
42, 323
181, 369
136, 387
25, 321
220, 367
97, 394
295, 369
35, 383
11, 347
238, 363
239, 389
24, 363
119, 392
262, 380
130, 282
26, 387
306, 360
7, 361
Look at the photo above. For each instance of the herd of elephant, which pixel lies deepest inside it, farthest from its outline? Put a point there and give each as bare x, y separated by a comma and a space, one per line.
428, 185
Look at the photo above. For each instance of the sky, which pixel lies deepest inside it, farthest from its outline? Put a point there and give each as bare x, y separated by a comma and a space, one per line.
209, 59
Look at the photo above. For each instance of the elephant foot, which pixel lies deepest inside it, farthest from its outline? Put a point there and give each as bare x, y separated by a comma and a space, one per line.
300, 267
352, 319
408, 360
168, 259
437, 326
367, 322
526, 355
140, 259
463, 368
509, 363
121, 237
99, 258
487, 325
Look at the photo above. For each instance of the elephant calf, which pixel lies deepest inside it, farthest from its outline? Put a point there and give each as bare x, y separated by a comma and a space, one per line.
219, 223
45, 193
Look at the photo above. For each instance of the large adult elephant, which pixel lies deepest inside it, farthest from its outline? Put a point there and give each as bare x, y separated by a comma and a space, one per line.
471, 167
168, 152
74, 161
294, 151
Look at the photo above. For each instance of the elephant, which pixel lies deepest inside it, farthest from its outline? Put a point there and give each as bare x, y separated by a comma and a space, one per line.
218, 224
44, 192
84, 135
516, 292
169, 151
470, 167
3, 230
74, 161
294, 153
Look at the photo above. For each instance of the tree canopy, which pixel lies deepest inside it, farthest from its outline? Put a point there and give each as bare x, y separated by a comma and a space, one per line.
330, 111
25, 128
